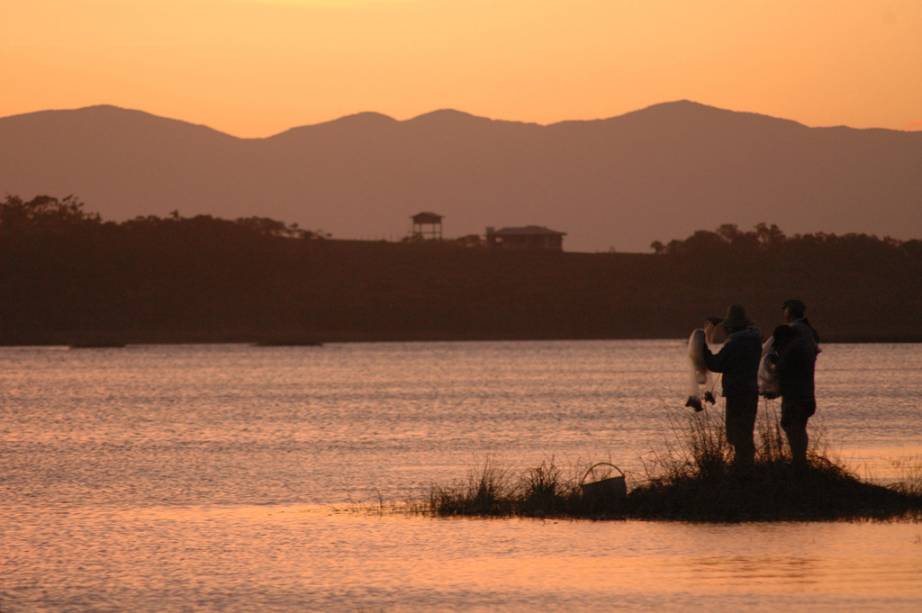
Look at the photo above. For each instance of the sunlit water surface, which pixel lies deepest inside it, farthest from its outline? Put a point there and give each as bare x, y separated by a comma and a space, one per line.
236, 477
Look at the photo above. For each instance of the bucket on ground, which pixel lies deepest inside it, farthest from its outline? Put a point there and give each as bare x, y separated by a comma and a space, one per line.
599, 483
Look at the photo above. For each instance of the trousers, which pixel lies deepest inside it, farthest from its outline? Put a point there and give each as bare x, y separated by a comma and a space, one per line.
741, 420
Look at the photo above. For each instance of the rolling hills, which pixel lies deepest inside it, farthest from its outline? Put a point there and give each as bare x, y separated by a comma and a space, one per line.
656, 173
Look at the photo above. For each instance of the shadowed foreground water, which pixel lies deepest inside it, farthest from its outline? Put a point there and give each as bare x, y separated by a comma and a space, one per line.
299, 556
225, 476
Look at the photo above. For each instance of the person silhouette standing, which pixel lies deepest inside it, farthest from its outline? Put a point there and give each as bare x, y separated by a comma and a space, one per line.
796, 370
738, 360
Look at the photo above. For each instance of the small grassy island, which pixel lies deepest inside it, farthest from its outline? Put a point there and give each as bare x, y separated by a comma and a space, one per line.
693, 481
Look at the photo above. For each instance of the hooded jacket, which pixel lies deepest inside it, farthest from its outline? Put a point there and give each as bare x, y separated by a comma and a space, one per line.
738, 360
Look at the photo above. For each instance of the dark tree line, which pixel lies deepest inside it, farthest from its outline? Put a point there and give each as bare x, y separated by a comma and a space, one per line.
65, 272
765, 239
48, 216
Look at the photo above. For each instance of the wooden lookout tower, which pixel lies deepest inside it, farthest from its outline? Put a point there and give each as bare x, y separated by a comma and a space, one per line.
426, 226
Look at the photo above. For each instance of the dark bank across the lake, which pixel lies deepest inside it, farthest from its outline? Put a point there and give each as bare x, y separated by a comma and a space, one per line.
67, 277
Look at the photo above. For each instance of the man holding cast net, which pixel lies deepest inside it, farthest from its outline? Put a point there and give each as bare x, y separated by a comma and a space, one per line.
738, 361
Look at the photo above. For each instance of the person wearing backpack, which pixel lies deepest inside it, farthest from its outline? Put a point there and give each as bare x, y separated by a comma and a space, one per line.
796, 370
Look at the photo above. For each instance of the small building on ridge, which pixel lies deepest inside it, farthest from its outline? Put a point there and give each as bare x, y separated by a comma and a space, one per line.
525, 238
426, 226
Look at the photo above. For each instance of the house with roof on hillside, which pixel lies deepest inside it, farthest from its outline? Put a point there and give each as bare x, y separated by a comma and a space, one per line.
525, 238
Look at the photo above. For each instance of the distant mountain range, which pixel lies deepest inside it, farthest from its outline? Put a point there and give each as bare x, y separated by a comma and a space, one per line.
657, 173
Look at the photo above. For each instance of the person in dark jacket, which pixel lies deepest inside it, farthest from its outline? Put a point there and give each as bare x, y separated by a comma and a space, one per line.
738, 360
796, 368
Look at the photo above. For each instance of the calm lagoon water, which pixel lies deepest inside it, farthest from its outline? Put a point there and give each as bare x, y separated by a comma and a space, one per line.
235, 477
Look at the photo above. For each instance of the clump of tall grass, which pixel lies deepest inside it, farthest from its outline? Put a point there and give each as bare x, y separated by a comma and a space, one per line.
541, 491
699, 449
486, 492
698, 480
693, 478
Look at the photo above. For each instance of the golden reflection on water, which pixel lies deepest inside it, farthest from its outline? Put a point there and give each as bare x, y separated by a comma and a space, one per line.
311, 556
170, 478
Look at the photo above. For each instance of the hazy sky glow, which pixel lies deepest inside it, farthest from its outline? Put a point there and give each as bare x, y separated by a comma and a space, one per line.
255, 67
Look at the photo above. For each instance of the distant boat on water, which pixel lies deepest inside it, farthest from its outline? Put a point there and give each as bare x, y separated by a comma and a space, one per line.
293, 340
97, 344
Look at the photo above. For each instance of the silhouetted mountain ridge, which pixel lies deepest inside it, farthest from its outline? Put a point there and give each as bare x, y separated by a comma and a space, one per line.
110, 117
654, 173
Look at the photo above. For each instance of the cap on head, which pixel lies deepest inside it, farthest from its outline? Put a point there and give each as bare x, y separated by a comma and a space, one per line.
796, 307
735, 318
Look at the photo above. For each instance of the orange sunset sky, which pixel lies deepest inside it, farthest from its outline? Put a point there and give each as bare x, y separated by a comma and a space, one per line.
256, 67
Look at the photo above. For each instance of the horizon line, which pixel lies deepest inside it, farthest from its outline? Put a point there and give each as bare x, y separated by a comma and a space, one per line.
449, 110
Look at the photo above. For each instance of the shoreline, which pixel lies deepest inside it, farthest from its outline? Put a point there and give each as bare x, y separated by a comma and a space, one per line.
119, 341
707, 490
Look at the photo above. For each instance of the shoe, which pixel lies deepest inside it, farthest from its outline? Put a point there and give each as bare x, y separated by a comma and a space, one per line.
695, 403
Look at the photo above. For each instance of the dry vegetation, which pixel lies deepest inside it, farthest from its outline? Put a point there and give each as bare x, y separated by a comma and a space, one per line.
693, 479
